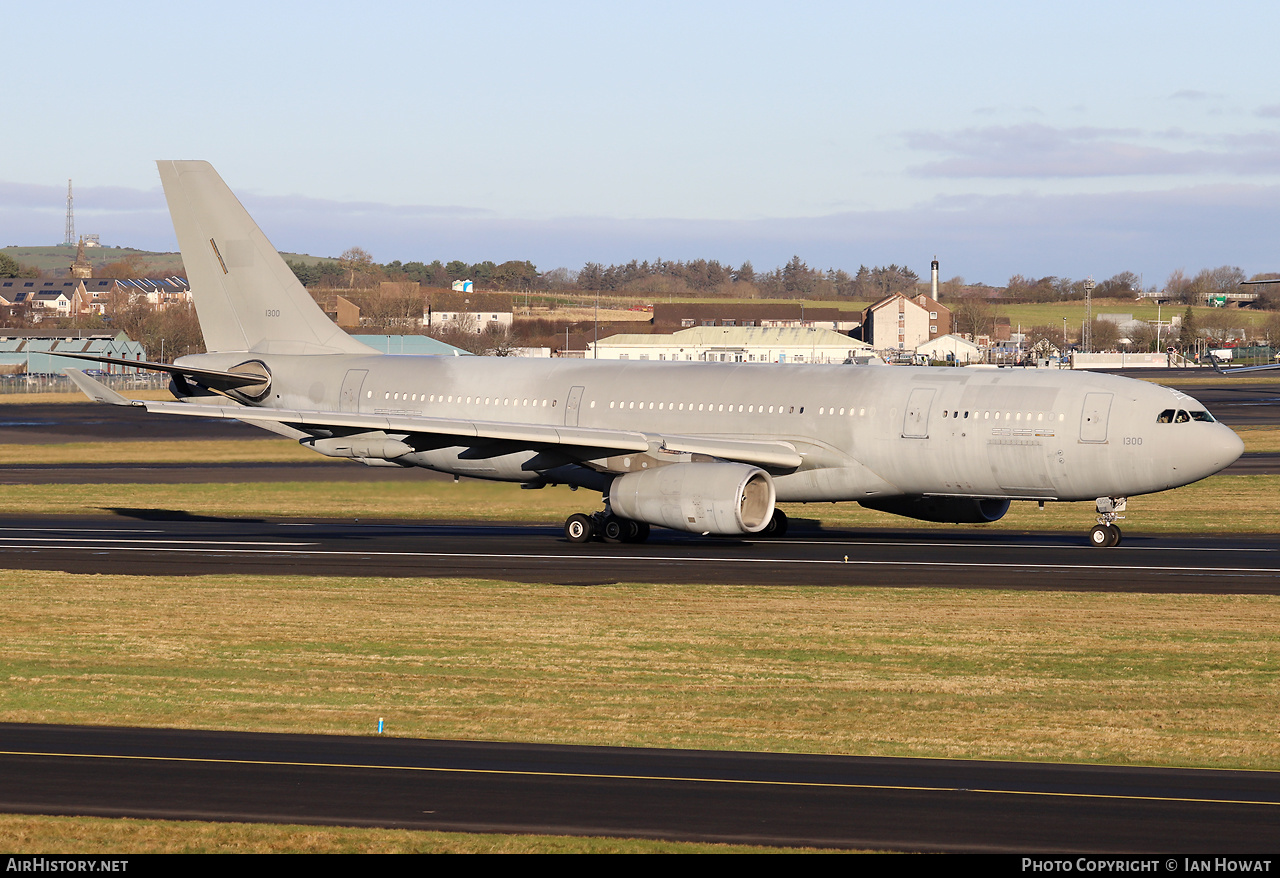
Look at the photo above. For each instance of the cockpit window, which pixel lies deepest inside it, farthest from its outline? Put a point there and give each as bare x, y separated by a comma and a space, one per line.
1181, 416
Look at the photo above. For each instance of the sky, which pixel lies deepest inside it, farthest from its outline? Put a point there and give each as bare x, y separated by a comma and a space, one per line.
1074, 140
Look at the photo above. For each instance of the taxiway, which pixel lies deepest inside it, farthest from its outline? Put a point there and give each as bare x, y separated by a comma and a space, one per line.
747, 798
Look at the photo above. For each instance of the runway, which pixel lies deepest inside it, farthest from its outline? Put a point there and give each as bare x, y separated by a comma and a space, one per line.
163, 542
751, 798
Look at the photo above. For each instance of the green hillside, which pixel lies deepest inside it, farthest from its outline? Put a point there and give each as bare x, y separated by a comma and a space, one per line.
149, 263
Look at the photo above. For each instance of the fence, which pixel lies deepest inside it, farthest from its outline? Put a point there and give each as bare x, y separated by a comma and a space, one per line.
39, 383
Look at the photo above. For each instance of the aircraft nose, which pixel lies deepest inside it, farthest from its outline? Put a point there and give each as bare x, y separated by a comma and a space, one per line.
1212, 452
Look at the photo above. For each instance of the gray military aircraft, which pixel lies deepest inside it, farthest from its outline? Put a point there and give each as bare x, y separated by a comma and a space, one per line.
708, 448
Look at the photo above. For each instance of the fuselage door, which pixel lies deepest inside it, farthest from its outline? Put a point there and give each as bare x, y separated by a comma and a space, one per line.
351, 385
915, 423
1093, 420
571, 407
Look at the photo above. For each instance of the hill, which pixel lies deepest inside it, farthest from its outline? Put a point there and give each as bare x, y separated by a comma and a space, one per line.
57, 260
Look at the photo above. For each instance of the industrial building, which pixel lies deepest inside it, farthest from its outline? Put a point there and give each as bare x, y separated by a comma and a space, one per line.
733, 344
38, 354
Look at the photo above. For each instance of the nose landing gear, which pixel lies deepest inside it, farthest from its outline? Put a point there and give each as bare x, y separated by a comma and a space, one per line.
1105, 533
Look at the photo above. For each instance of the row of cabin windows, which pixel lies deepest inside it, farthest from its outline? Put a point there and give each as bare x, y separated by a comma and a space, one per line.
465, 400
704, 407
1007, 416
745, 408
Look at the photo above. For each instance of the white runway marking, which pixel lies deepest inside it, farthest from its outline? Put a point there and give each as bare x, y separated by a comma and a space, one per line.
283, 549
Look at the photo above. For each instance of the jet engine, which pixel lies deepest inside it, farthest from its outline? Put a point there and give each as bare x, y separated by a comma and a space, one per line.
953, 510
704, 498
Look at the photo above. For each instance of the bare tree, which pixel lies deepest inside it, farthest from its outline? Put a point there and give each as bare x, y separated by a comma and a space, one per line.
357, 262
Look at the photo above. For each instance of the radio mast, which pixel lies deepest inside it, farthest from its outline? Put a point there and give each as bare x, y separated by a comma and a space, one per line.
71, 219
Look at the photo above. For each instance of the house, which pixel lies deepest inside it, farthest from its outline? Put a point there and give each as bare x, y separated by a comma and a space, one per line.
901, 323
470, 312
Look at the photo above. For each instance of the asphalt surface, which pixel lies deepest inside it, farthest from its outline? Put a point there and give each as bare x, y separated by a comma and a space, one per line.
752, 798
144, 541
53, 423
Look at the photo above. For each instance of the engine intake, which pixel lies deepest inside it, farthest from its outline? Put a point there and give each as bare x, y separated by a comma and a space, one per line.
714, 498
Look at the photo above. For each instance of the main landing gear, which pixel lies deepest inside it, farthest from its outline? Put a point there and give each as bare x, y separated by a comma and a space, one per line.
1105, 534
610, 528
580, 528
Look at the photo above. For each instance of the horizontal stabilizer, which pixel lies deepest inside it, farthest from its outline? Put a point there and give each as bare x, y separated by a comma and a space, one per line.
211, 378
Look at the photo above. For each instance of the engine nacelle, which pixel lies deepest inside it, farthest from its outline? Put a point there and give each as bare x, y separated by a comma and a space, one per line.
952, 510
715, 498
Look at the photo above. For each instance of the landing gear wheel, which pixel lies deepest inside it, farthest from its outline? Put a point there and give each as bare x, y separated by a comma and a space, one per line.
578, 528
613, 529
1104, 536
777, 526
636, 531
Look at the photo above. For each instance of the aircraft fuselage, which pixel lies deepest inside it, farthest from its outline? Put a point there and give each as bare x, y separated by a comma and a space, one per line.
862, 432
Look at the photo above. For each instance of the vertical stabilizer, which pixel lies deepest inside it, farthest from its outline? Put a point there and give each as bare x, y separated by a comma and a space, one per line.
246, 297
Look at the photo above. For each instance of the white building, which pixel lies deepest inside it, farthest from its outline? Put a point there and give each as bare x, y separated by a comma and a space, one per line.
951, 347
732, 344
473, 313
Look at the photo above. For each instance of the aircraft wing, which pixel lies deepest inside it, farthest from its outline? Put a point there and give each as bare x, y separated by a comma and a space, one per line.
589, 442
1240, 370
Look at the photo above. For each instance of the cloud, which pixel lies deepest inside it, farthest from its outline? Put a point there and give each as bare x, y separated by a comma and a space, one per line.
54, 198
1044, 152
983, 238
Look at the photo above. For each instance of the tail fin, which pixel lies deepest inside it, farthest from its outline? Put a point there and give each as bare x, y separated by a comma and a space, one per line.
246, 297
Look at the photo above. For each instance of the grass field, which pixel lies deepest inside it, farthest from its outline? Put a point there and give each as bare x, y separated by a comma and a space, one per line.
24, 834
1221, 504
276, 450
1112, 678
45, 398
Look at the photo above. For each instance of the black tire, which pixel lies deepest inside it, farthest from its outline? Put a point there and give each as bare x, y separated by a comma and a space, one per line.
777, 526
1116, 535
578, 528
613, 529
1100, 537
637, 531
